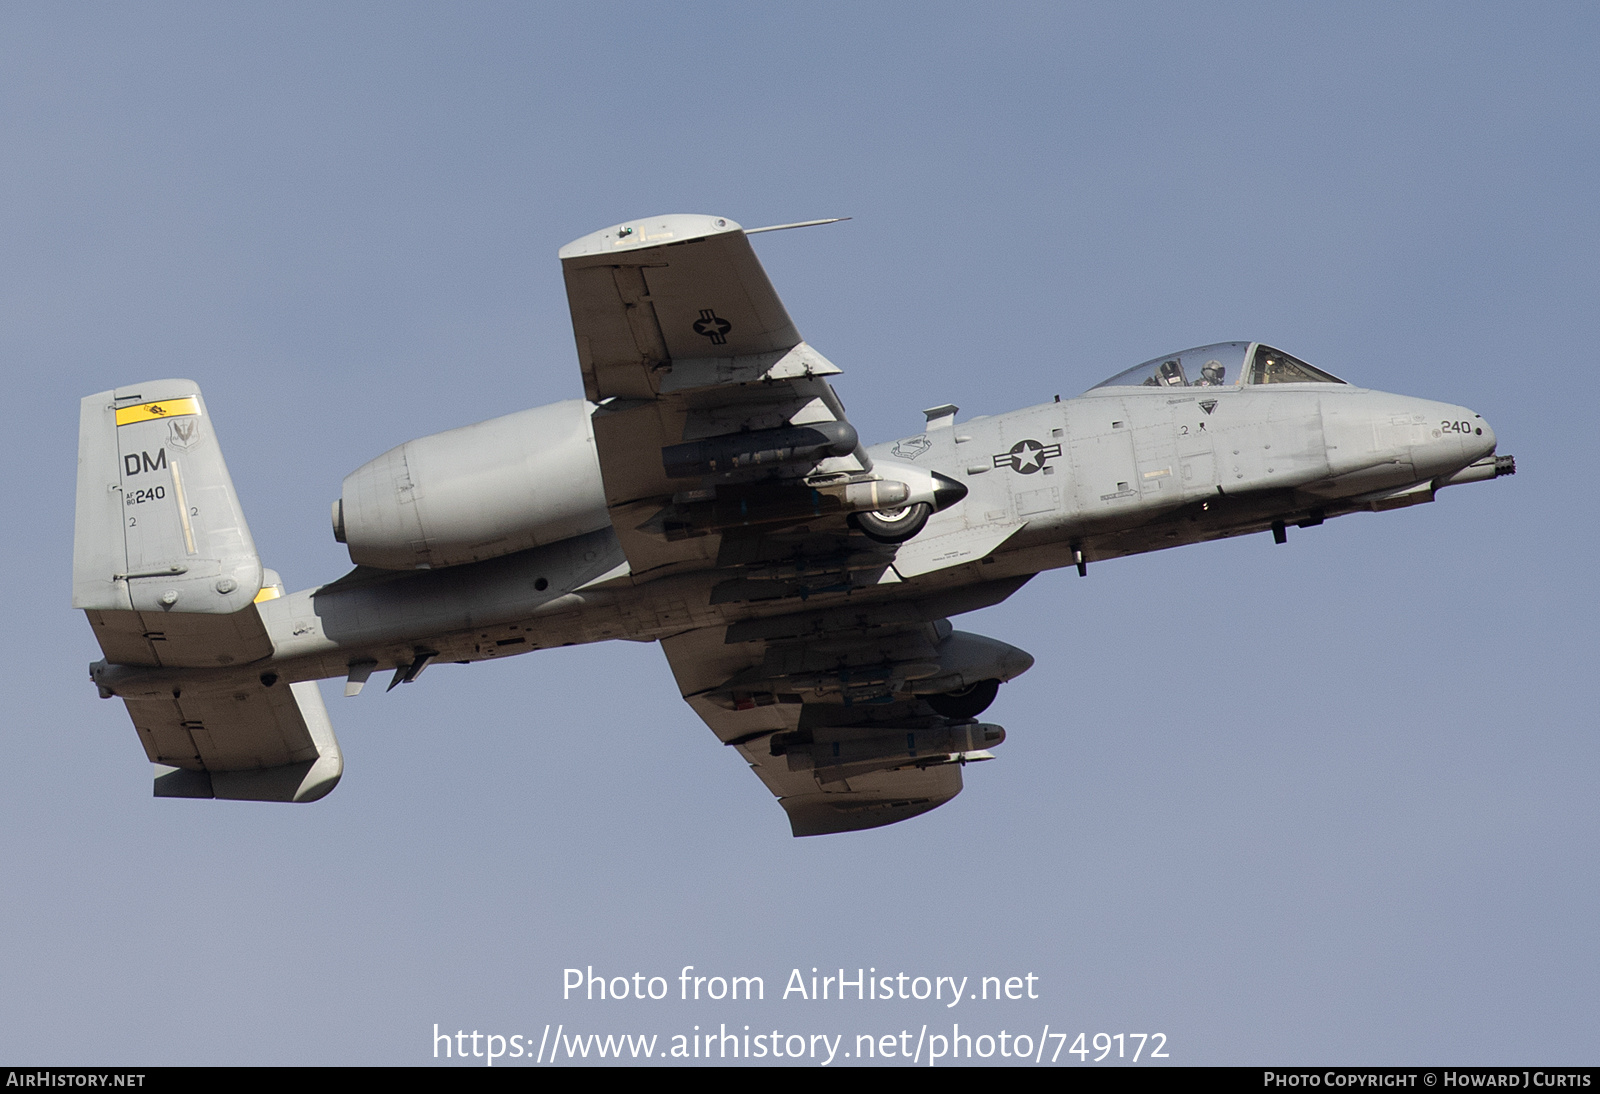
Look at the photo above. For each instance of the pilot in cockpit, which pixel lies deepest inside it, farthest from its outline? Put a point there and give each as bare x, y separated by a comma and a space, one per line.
1211, 374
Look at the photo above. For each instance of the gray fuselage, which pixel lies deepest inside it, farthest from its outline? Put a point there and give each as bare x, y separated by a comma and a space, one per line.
1117, 471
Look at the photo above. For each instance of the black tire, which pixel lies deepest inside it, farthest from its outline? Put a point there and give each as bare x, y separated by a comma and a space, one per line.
969, 702
893, 525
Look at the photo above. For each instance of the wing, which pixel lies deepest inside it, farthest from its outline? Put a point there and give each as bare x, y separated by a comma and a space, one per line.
714, 414
829, 707
721, 445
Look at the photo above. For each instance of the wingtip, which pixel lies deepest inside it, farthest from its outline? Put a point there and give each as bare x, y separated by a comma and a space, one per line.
633, 235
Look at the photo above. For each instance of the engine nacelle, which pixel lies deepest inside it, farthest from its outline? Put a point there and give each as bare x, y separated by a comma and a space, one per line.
478, 492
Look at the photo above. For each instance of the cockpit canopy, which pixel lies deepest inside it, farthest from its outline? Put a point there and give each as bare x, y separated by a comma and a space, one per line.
1225, 364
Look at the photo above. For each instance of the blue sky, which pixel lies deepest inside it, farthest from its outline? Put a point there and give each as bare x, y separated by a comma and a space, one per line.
1332, 801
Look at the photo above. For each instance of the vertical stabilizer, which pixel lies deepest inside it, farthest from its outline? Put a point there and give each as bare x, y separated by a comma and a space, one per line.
163, 561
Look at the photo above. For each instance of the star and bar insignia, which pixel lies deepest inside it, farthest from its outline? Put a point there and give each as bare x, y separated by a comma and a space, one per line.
1027, 456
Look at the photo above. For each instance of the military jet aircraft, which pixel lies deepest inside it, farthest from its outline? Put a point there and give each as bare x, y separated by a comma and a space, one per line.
708, 493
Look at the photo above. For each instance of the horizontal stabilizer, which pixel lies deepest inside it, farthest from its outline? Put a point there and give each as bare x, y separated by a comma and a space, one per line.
270, 743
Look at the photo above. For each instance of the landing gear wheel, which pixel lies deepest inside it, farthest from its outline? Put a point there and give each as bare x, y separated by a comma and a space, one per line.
969, 702
892, 525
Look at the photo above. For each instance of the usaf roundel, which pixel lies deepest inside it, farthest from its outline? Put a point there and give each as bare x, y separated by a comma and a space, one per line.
1027, 456
713, 326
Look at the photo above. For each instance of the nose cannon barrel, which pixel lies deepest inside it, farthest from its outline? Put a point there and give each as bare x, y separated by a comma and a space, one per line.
1490, 467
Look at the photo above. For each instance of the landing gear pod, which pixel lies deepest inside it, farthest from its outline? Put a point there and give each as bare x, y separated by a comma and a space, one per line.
893, 525
967, 702
930, 492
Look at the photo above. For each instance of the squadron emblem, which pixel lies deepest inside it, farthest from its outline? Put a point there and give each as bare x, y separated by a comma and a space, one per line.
183, 432
1027, 456
912, 447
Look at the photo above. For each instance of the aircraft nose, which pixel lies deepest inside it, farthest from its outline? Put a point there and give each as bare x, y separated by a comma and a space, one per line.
1448, 438
1487, 441
1477, 439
